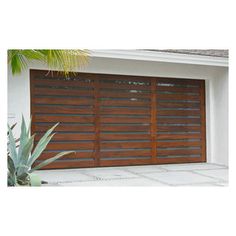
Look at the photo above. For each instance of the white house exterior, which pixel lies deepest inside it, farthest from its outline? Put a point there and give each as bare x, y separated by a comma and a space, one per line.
214, 70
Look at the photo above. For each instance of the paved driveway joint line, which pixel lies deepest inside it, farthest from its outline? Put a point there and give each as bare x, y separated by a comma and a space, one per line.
196, 174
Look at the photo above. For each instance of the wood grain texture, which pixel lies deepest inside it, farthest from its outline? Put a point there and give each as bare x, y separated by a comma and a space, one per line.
63, 110
153, 119
203, 121
112, 120
64, 127
63, 101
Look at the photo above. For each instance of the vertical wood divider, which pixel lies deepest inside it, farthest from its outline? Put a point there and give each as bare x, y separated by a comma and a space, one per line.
32, 109
154, 119
97, 119
203, 121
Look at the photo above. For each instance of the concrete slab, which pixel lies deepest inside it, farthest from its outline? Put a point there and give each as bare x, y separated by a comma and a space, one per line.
104, 173
144, 169
192, 166
152, 175
221, 174
55, 176
179, 178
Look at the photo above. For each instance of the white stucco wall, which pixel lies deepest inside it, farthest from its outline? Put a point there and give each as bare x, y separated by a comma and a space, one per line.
216, 94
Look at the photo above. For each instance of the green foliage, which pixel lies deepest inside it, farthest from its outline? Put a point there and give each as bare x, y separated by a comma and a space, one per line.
63, 60
21, 158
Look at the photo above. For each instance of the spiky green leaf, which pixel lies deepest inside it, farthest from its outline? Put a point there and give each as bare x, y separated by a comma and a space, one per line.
43, 142
12, 146
26, 151
50, 160
23, 138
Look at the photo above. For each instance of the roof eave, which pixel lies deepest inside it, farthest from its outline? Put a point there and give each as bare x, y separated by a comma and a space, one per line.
160, 57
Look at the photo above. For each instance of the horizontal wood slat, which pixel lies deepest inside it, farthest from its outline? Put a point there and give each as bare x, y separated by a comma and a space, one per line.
63, 83
63, 92
65, 127
179, 128
178, 144
179, 121
178, 136
124, 111
113, 120
124, 136
178, 89
178, 113
70, 146
175, 81
138, 153
104, 94
125, 103
178, 105
124, 86
63, 110
109, 145
69, 164
123, 78
125, 128
74, 119
64, 101
178, 97
72, 155
69, 137
178, 152
119, 120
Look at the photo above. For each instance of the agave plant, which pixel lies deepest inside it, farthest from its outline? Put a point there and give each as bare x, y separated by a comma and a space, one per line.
22, 157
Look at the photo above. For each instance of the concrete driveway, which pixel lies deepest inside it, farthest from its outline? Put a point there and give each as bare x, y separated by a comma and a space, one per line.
202, 174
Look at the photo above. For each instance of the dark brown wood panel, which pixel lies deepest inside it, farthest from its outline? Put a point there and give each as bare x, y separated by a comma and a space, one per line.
124, 153
115, 94
63, 110
168, 82
72, 119
70, 146
178, 105
179, 120
63, 92
178, 112
178, 136
119, 120
63, 101
62, 83
125, 128
125, 86
180, 129
124, 111
179, 144
178, 152
64, 127
110, 120
69, 137
178, 97
178, 89
128, 103
125, 145
125, 136
82, 155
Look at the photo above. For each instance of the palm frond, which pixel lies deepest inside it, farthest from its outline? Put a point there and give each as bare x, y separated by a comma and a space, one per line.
62, 60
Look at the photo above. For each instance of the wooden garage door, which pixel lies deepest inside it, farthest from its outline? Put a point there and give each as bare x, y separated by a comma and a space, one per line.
111, 120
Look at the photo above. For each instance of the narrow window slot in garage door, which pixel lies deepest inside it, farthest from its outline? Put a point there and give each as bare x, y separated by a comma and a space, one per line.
112, 120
